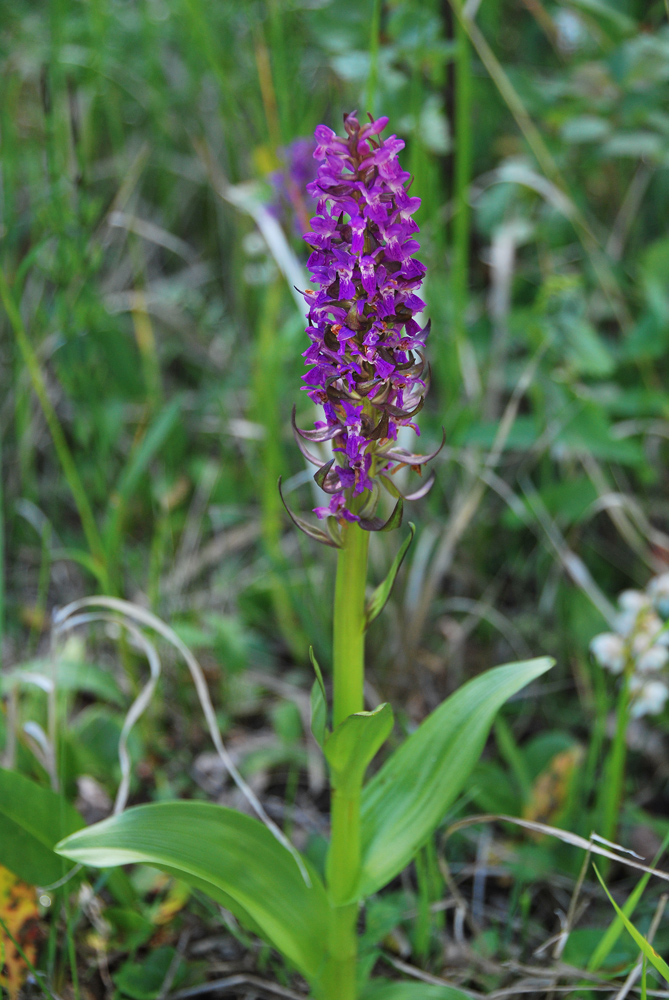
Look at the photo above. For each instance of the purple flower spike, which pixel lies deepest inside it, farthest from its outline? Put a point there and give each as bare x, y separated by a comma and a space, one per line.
361, 323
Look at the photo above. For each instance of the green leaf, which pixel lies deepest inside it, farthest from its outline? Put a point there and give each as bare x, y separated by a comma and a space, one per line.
647, 949
317, 670
144, 980
32, 820
384, 989
380, 596
408, 797
352, 746
231, 857
319, 705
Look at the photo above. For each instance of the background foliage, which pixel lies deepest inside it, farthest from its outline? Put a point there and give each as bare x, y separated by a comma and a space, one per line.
151, 355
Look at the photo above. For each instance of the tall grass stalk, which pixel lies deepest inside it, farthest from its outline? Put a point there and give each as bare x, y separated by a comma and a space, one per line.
374, 44
614, 774
463, 170
266, 410
266, 379
280, 63
2, 558
63, 452
267, 90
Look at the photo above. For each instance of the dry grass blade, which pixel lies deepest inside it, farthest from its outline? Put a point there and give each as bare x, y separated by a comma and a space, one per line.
564, 835
151, 621
141, 702
153, 233
234, 981
427, 977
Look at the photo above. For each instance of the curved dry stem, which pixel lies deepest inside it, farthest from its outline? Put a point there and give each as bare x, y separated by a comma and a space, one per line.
151, 621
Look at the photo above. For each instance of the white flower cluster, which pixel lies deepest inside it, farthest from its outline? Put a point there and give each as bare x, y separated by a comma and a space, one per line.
640, 644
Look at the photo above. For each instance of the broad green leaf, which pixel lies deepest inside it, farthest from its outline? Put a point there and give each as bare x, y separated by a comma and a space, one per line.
378, 600
229, 856
32, 819
353, 744
408, 797
384, 989
647, 949
68, 675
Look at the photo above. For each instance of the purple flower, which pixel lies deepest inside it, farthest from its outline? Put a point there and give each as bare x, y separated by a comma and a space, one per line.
361, 325
290, 184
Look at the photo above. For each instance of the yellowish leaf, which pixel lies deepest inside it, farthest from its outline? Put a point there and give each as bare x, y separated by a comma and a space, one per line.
19, 913
550, 791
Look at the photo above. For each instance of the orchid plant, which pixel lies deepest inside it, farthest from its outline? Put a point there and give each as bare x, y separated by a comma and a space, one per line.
367, 370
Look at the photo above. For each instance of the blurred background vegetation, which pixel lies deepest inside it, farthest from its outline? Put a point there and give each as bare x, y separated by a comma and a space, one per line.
151, 342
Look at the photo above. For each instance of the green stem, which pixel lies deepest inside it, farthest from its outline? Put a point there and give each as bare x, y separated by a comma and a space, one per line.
343, 863
349, 624
615, 772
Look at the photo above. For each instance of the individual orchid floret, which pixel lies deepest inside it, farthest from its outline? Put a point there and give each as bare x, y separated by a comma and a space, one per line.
366, 367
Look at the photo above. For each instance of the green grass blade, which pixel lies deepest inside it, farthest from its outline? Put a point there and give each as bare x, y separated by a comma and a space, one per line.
137, 464
62, 449
603, 949
647, 949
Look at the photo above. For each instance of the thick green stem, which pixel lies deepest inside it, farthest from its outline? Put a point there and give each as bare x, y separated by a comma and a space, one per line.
343, 864
349, 619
